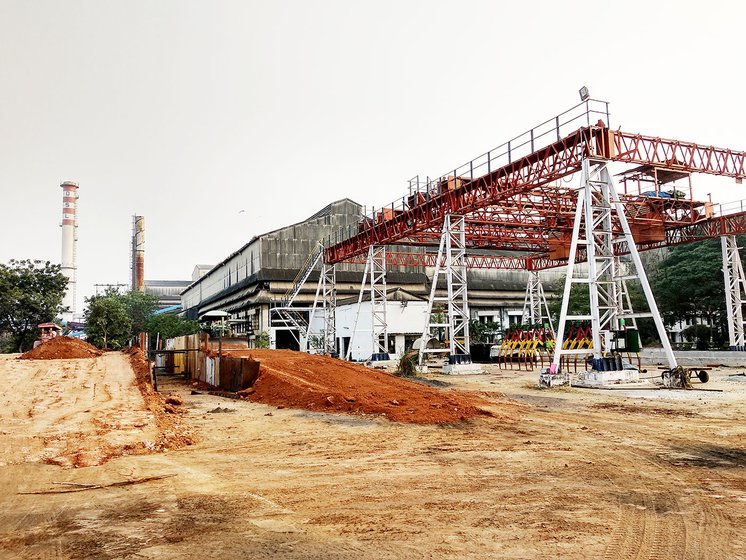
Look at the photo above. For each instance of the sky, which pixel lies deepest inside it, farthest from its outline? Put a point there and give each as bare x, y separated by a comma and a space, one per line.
220, 120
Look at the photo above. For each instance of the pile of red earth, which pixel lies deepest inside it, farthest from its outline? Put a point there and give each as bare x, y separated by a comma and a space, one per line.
62, 348
314, 382
165, 408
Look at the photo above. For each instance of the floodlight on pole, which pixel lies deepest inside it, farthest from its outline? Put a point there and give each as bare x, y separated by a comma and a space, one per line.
584, 94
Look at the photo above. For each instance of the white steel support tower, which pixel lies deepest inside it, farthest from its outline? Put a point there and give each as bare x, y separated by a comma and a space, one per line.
624, 303
598, 204
329, 295
375, 273
535, 309
348, 352
377, 267
451, 263
735, 291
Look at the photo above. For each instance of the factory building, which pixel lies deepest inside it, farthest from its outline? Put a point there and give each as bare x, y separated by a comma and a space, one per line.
252, 279
168, 292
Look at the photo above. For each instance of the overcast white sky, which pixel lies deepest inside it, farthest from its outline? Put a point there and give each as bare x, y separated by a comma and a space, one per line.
188, 112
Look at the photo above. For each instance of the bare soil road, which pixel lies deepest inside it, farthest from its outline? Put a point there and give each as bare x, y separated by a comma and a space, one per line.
555, 474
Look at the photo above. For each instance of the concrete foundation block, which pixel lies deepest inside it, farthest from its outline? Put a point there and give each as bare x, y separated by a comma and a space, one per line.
462, 369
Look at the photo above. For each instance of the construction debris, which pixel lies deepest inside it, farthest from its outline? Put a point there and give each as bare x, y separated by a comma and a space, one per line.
677, 378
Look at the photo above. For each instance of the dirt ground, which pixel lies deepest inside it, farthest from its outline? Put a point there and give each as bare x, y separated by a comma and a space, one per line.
70, 412
570, 473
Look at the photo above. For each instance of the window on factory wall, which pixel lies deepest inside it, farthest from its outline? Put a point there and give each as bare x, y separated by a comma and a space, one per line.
514, 320
252, 324
239, 327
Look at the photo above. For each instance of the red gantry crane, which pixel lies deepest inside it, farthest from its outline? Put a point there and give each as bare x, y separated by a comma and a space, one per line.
507, 209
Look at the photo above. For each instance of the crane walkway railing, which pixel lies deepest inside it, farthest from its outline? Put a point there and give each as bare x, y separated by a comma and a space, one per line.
587, 113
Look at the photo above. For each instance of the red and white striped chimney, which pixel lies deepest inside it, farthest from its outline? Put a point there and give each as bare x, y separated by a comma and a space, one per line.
69, 240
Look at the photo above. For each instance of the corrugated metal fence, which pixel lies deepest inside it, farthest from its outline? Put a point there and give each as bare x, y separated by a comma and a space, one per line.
194, 358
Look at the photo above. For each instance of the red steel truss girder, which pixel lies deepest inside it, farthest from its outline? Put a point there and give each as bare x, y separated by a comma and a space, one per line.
541, 168
497, 232
495, 236
536, 239
537, 206
734, 224
394, 258
675, 154
549, 164
490, 232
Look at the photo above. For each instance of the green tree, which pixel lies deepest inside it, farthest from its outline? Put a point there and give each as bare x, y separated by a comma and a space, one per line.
482, 333
689, 284
31, 292
702, 334
579, 303
262, 340
169, 325
140, 307
108, 324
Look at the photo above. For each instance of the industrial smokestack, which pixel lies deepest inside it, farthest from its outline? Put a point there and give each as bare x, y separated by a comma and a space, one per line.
138, 254
69, 242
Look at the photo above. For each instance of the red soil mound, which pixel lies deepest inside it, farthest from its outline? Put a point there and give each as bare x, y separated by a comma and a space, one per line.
62, 348
165, 408
313, 382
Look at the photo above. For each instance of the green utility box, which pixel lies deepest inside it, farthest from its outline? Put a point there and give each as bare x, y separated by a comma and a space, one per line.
627, 340
633, 340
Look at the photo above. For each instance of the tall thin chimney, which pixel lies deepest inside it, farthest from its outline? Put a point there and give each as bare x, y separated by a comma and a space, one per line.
69, 242
138, 254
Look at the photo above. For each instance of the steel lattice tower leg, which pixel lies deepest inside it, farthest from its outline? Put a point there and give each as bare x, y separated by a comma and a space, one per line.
624, 303
458, 305
598, 202
377, 259
535, 308
451, 262
329, 287
735, 288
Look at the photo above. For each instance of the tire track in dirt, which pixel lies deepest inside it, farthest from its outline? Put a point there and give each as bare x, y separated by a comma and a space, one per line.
709, 537
652, 522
